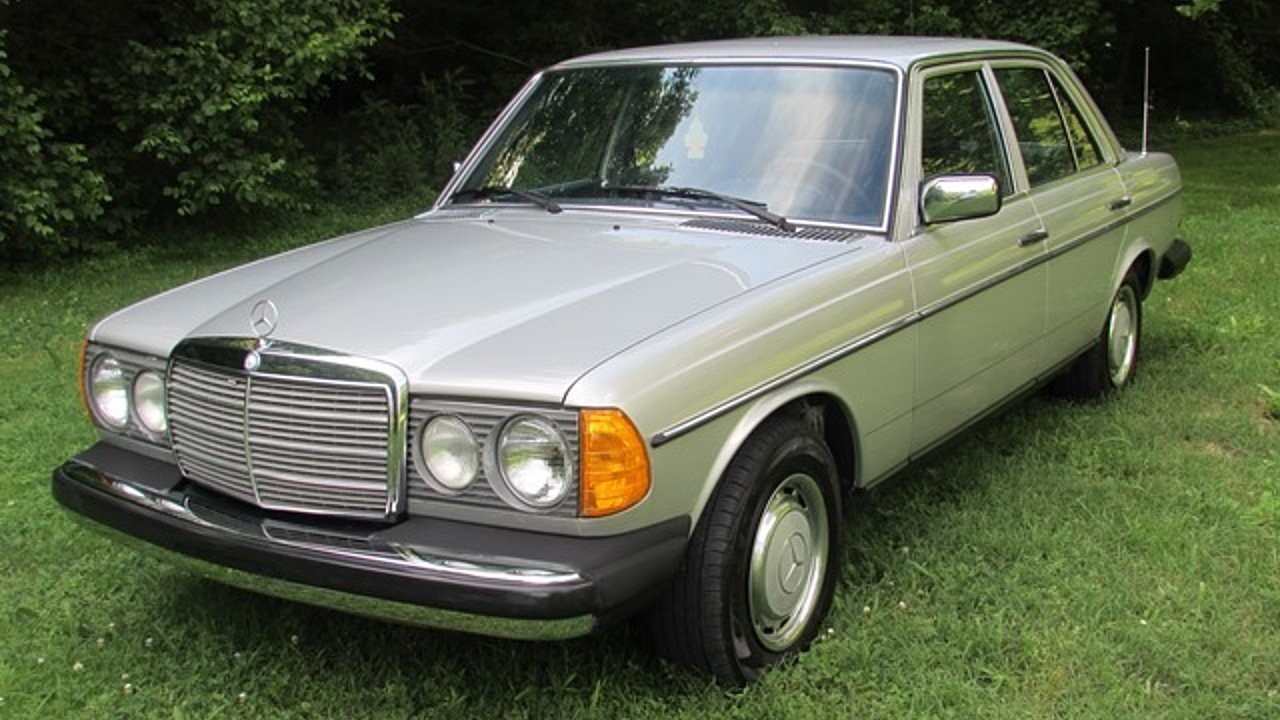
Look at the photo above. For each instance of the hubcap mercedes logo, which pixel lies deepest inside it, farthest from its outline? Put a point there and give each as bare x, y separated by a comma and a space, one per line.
263, 318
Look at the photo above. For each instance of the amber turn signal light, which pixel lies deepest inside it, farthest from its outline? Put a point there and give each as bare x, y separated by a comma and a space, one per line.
80, 377
615, 465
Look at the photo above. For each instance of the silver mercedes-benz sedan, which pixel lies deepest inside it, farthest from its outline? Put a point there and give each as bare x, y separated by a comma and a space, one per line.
675, 305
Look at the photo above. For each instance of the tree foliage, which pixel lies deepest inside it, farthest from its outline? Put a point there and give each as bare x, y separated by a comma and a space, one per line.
47, 188
125, 107
119, 110
1210, 57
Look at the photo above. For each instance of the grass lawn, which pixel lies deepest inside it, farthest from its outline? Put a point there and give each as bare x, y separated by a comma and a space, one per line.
1112, 561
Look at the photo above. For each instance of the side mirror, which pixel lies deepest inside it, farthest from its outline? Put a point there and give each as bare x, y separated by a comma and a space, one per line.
947, 198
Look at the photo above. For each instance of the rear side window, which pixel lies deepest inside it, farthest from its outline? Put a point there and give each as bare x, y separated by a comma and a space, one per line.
1083, 143
1052, 136
959, 131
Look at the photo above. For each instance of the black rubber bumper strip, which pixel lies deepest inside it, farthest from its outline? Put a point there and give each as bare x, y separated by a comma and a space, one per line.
1175, 259
612, 571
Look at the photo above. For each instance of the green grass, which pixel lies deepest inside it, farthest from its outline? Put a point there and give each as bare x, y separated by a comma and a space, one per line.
1114, 560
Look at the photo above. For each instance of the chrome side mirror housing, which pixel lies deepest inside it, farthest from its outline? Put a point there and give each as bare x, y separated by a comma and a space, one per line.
947, 198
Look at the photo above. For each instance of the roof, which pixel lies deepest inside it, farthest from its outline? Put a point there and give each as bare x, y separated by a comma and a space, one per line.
900, 51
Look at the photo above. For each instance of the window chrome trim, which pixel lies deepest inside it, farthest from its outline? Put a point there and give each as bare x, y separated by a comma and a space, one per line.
724, 407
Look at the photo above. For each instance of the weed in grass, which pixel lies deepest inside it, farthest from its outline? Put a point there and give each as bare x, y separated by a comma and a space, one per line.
1270, 402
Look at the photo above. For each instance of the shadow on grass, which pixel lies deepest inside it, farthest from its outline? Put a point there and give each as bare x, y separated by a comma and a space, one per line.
371, 653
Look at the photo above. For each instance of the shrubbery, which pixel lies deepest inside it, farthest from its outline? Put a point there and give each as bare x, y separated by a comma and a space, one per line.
48, 190
116, 111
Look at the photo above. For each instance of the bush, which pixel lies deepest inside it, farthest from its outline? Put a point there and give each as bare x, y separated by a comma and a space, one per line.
151, 105
404, 147
47, 189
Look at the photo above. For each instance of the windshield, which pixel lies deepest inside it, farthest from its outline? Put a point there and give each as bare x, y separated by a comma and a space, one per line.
809, 143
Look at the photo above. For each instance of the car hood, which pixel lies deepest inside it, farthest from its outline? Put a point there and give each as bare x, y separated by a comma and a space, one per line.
510, 303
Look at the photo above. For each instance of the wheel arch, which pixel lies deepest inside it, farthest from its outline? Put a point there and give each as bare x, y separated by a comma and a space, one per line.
813, 401
1136, 255
1144, 265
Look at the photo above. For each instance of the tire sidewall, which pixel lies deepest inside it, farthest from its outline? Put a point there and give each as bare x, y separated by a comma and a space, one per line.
1131, 282
804, 454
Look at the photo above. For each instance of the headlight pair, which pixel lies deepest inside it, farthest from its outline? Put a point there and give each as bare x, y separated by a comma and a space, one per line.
121, 396
529, 454
534, 461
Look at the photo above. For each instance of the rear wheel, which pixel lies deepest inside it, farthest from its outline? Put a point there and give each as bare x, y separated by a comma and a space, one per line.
1113, 361
759, 573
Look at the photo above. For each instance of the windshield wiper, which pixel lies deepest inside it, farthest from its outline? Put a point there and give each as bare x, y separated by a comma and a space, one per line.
691, 193
492, 191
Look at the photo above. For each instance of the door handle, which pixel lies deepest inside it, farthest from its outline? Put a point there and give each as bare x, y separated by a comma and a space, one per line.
1032, 238
1120, 203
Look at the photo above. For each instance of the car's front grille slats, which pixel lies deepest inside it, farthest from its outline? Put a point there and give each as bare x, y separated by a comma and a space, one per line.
307, 444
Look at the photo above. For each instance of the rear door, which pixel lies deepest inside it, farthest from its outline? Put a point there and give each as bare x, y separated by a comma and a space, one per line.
1074, 185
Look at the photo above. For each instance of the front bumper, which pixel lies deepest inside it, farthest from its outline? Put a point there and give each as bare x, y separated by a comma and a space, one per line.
424, 571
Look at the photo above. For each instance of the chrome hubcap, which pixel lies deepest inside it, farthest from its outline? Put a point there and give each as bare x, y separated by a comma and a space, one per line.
1122, 336
788, 562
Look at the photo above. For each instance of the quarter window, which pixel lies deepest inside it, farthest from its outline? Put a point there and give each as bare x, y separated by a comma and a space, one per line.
1052, 137
959, 132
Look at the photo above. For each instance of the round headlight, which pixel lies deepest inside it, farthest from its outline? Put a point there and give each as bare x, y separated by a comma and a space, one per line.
148, 402
449, 452
109, 392
533, 459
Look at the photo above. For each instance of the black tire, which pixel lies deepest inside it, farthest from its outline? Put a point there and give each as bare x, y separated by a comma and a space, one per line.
1113, 362
726, 612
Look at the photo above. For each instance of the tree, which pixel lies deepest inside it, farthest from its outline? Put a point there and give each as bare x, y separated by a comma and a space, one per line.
184, 106
47, 189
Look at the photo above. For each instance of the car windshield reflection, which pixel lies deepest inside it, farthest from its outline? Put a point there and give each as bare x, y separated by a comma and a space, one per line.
807, 143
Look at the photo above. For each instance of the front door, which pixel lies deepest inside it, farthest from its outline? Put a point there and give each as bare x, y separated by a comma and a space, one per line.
980, 283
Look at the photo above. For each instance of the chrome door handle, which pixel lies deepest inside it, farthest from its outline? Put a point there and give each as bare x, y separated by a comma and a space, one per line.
1032, 238
1120, 203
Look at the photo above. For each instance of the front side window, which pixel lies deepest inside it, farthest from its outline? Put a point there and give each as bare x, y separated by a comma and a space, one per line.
959, 132
810, 143
1051, 133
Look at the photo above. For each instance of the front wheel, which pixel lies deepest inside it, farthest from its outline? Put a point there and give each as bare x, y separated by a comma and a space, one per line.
760, 570
1113, 361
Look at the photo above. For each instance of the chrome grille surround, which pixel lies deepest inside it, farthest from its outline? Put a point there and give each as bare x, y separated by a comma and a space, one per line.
486, 420
306, 430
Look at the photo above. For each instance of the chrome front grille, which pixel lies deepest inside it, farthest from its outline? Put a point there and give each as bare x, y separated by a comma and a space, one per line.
306, 443
206, 424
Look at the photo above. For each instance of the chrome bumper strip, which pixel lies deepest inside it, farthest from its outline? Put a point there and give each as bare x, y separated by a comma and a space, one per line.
333, 547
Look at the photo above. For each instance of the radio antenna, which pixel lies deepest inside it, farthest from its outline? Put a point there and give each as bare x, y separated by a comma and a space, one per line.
1146, 95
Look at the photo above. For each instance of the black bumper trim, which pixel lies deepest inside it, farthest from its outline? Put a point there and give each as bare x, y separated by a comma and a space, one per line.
1174, 260
567, 576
